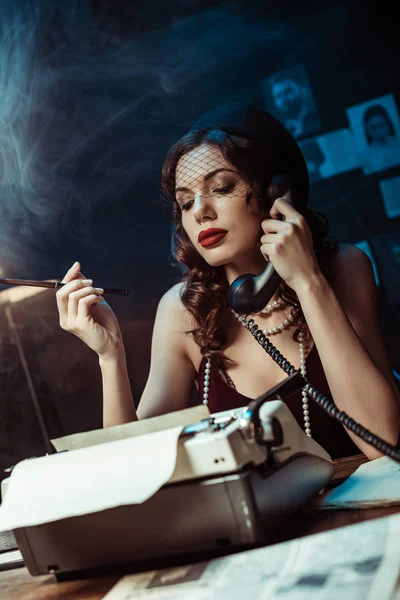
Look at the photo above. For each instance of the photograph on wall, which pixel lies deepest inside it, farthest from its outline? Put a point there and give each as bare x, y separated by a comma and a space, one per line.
390, 190
387, 249
366, 247
330, 154
376, 129
289, 97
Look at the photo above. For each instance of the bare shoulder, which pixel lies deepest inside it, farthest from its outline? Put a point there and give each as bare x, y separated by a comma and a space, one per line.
347, 253
172, 310
347, 265
172, 297
350, 274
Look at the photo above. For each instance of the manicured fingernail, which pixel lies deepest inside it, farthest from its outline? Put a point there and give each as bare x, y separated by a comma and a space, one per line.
75, 265
87, 281
99, 290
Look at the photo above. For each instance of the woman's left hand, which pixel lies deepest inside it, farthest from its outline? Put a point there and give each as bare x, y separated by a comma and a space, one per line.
288, 244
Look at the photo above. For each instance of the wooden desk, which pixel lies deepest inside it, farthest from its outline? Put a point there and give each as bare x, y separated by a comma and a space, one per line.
17, 584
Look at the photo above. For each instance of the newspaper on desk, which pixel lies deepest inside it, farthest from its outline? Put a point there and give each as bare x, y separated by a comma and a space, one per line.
374, 483
396, 595
357, 562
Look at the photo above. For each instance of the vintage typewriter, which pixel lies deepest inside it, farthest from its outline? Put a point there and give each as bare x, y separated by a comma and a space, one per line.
237, 476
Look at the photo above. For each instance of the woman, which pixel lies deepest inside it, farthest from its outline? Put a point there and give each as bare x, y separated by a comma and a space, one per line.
323, 317
378, 126
383, 147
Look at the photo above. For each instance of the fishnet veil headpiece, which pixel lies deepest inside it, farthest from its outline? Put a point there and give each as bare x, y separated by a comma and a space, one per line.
277, 150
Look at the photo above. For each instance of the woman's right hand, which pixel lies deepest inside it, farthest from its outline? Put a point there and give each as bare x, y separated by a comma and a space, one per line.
84, 312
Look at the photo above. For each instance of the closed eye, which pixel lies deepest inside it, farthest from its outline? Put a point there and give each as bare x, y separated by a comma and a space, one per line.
187, 205
224, 190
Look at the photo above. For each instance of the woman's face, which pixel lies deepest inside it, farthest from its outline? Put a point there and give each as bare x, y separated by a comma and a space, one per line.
219, 222
378, 129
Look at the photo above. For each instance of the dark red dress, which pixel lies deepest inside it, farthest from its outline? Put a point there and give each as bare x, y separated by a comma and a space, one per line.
330, 434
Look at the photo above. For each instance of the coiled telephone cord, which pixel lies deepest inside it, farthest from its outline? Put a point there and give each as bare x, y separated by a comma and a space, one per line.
325, 403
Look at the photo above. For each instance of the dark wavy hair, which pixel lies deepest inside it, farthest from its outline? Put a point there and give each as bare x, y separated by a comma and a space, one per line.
205, 287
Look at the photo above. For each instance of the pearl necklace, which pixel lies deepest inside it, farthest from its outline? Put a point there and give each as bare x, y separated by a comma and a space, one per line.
274, 305
303, 368
270, 307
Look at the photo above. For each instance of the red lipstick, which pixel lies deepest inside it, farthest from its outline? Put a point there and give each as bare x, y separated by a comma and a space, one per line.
210, 237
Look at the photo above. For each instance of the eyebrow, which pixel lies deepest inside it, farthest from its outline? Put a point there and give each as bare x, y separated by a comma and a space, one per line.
206, 178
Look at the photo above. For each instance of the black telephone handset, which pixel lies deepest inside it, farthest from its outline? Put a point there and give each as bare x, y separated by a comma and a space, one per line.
250, 293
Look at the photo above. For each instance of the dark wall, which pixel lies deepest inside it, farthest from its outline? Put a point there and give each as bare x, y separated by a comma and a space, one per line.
92, 95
